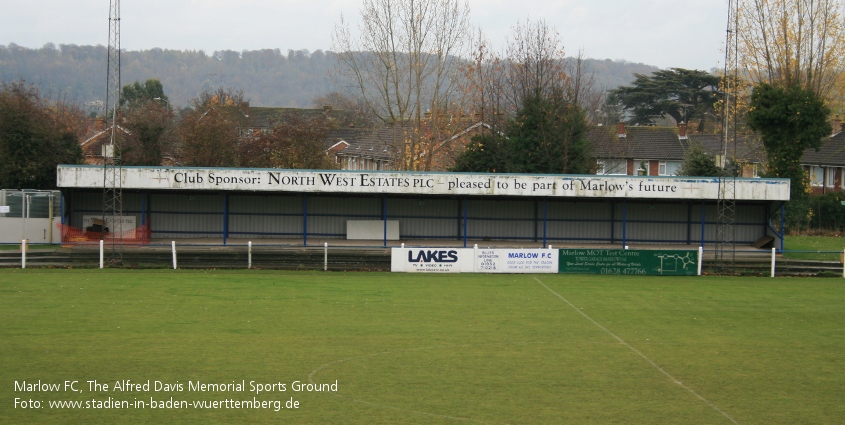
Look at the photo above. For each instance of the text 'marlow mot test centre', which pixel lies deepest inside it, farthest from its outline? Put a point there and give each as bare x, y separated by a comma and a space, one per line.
220, 205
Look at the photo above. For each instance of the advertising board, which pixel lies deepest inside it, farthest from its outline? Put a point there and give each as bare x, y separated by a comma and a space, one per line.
517, 261
469, 260
125, 222
412, 183
629, 262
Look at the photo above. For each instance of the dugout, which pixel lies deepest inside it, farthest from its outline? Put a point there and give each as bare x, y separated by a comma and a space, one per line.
226, 205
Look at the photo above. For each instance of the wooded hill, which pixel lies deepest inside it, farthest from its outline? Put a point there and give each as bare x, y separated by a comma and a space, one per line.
267, 77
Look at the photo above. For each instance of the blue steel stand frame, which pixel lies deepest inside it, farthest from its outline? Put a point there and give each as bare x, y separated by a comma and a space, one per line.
545, 220
304, 219
624, 223
465, 221
384, 217
225, 217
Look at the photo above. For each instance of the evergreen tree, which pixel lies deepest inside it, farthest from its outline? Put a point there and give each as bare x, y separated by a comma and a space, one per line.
680, 93
137, 93
547, 136
697, 162
790, 120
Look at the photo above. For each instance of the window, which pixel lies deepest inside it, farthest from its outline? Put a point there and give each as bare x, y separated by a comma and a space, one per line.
816, 176
831, 176
672, 167
612, 167
640, 167
668, 168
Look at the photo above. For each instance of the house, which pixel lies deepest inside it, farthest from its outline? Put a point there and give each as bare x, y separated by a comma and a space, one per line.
96, 143
250, 120
379, 149
747, 153
264, 119
643, 151
660, 151
361, 149
825, 167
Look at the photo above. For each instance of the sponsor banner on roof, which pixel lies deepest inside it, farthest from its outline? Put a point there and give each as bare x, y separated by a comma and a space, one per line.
567, 186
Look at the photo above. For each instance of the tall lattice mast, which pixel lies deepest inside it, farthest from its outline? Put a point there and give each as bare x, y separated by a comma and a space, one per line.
112, 181
726, 206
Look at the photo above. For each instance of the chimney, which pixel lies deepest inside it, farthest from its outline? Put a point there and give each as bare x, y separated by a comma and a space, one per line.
682, 131
99, 124
245, 108
836, 124
620, 130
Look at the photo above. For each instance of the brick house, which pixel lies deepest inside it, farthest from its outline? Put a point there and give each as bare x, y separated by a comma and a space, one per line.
632, 151
660, 151
825, 167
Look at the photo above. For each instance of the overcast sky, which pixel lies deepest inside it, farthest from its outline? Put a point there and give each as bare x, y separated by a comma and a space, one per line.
664, 33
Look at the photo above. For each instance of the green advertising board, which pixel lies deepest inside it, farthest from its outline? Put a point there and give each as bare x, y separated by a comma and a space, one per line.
629, 262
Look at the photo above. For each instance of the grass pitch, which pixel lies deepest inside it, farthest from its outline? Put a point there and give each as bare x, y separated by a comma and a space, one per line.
426, 349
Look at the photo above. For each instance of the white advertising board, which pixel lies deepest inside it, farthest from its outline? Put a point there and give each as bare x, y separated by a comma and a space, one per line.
431, 260
4, 209
517, 261
390, 182
469, 260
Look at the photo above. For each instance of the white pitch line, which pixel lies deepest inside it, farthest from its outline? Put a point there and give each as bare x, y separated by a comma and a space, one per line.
639, 353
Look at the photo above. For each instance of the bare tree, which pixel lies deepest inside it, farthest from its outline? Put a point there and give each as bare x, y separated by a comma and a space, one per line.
483, 83
534, 63
402, 64
793, 43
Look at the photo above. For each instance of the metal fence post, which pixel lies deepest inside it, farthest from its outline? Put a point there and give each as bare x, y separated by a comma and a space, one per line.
249, 256
700, 258
101, 254
475, 259
325, 256
23, 253
173, 246
774, 250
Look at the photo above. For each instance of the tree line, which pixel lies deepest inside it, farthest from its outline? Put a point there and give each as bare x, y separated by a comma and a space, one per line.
268, 77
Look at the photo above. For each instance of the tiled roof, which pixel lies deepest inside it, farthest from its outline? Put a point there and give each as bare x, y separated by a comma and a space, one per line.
264, 117
638, 143
93, 145
832, 152
348, 135
375, 144
749, 149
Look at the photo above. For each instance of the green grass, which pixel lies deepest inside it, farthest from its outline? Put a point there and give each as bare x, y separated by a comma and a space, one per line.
430, 349
827, 248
